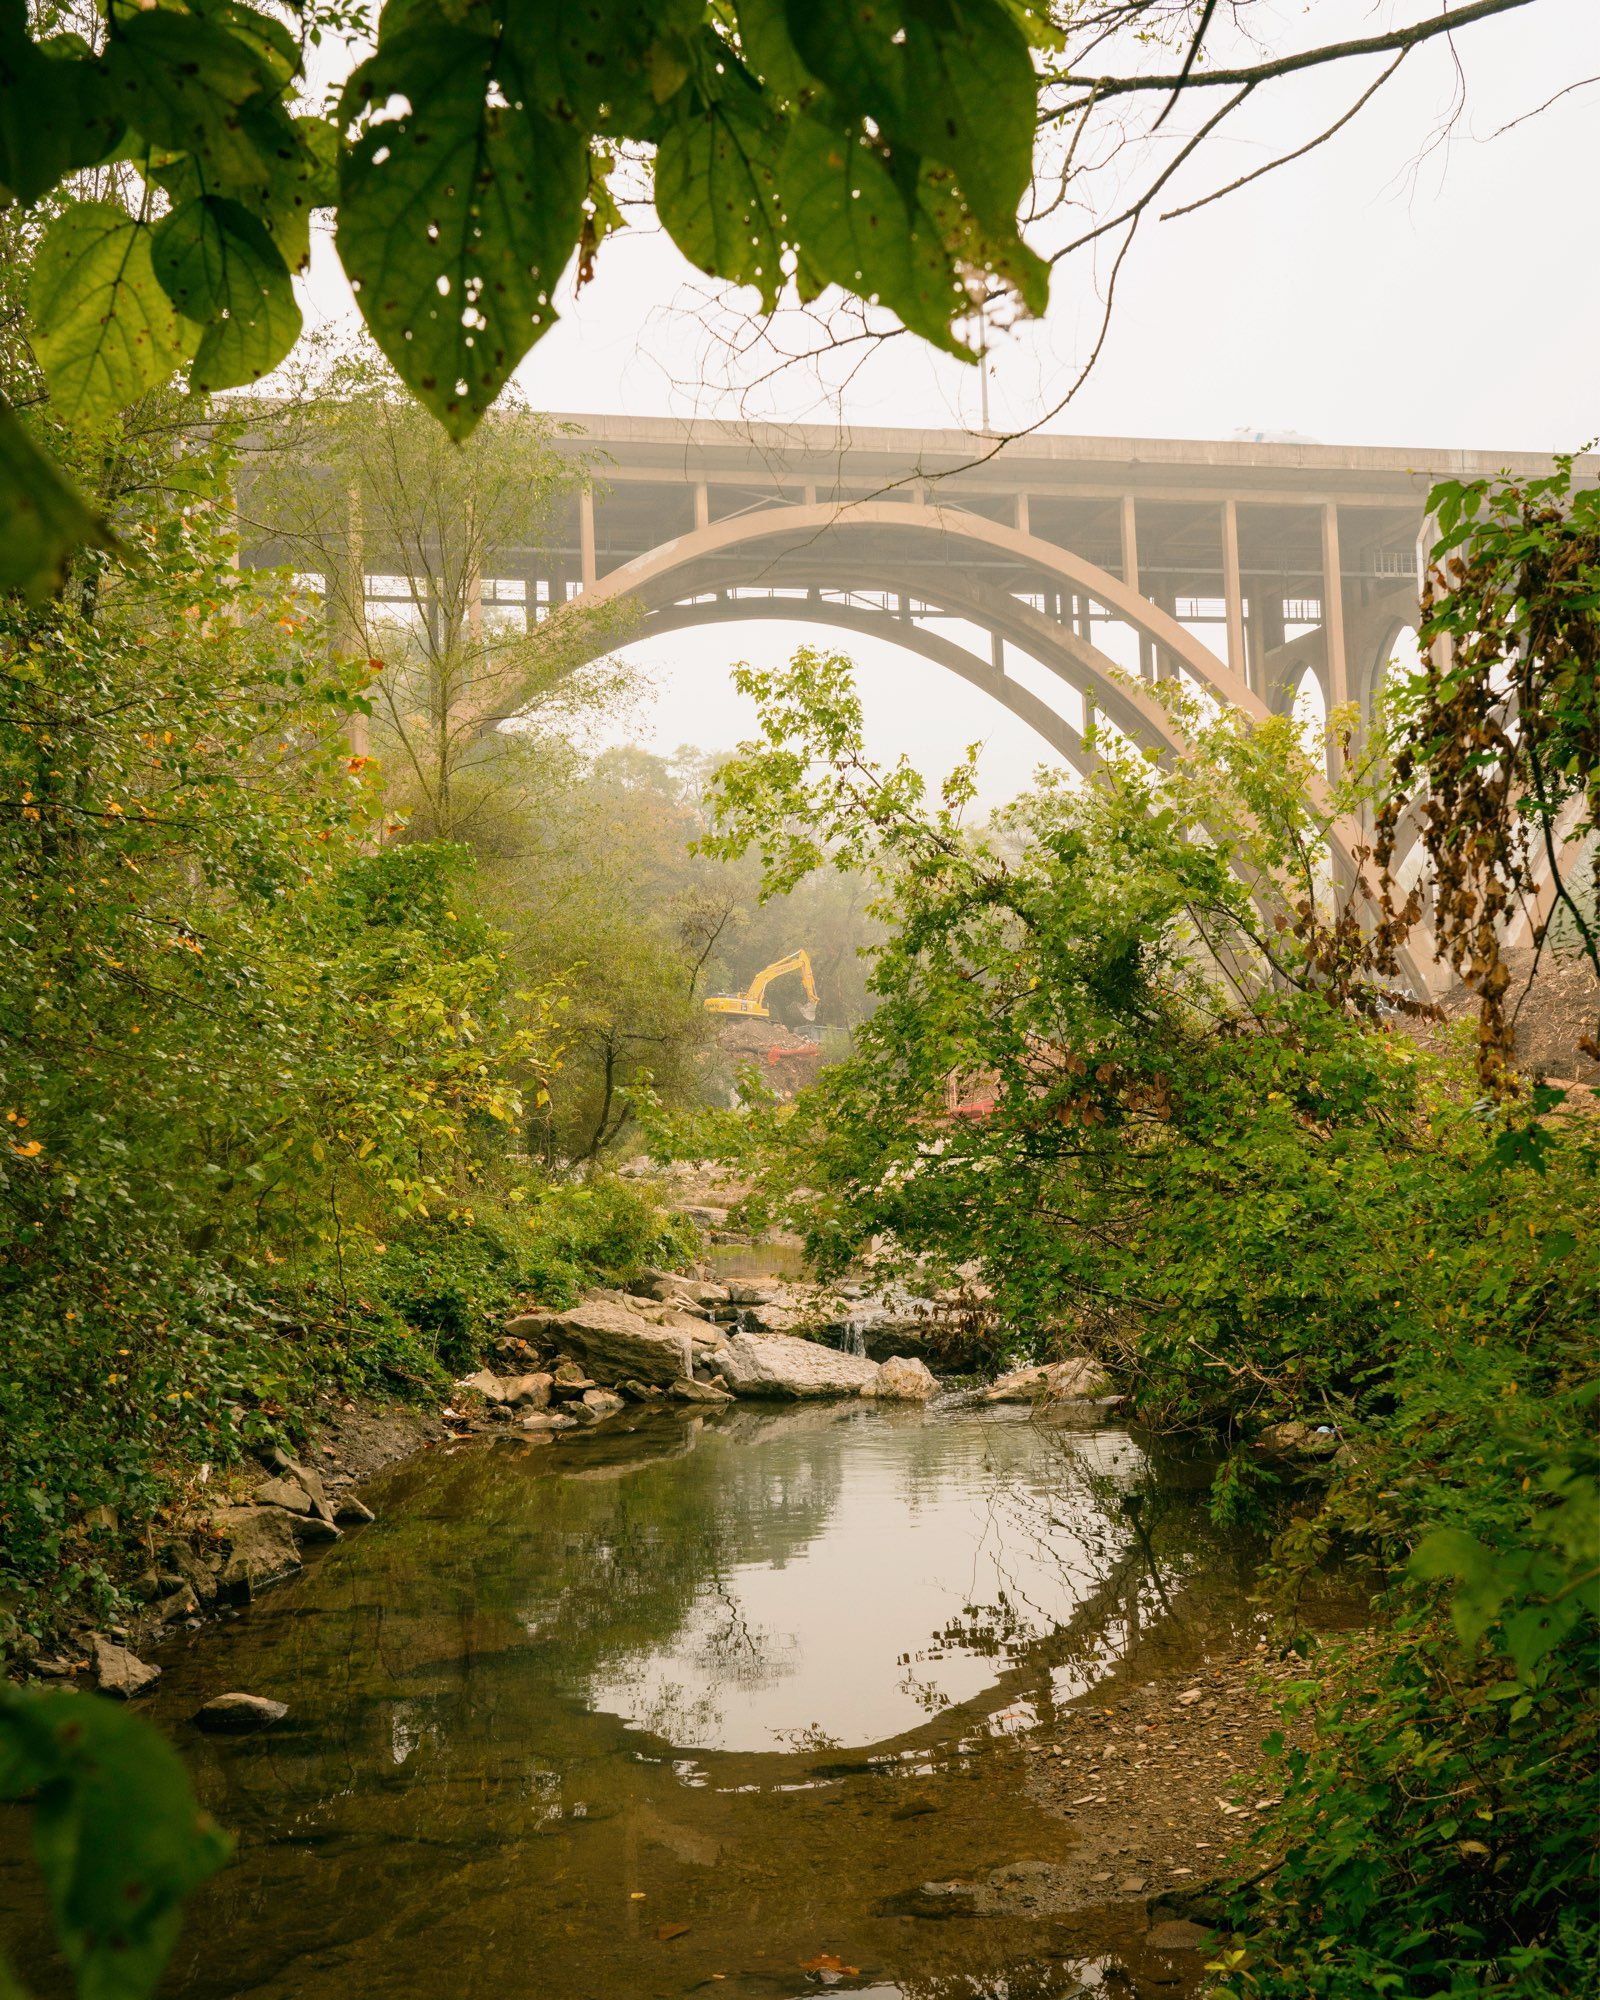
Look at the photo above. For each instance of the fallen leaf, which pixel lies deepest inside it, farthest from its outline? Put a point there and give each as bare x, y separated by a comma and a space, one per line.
664, 1932
826, 1962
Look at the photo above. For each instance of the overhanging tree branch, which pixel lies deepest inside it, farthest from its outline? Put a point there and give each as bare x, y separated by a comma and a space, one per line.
1398, 39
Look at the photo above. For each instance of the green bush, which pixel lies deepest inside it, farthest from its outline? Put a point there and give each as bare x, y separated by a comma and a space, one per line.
1209, 1152
244, 1047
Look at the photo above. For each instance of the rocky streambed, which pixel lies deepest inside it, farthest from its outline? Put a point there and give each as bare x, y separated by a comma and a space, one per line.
762, 1694
700, 1341
676, 1342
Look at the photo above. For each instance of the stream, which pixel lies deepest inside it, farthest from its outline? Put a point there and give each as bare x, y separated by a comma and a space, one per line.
688, 1706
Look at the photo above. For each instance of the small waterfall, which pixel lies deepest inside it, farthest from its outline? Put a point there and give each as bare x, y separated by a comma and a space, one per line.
853, 1337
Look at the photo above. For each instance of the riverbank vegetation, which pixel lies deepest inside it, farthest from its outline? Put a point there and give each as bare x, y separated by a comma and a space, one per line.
1136, 1070
310, 1007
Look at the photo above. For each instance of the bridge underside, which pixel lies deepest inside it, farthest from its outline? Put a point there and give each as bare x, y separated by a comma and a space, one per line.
1089, 569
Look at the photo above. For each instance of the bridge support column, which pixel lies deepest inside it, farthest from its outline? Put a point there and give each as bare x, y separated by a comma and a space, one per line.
586, 537
1333, 607
1266, 636
1130, 576
702, 504
1233, 590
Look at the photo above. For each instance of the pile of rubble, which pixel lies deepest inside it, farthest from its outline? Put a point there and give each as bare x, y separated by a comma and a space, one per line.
679, 1339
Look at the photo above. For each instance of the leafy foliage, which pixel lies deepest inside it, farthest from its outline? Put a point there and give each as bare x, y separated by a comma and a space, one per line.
87, 1765
1433, 1834
265, 1079
881, 148
1129, 1068
1498, 734
352, 458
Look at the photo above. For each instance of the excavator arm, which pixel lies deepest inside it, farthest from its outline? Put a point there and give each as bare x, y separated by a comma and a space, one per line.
752, 1001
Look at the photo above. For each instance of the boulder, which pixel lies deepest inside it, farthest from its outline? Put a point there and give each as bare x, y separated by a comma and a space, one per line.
753, 1291
571, 1382
261, 1547
546, 1420
778, 1365
239, 1714
902, 1379
602, 1403
674, 1319
531, 1391
197, 1569
1298, 1440
613, 1342
284, 1493
348, 1511
312, 1528
179, 1603
704, 1215
1074, 1379
526, 1392
297, 1488
119, 1672
775, 1318
1180, 1934
699, 1392
674, 1287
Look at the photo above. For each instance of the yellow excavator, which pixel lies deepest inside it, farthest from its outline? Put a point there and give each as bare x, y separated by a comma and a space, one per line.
752, 1001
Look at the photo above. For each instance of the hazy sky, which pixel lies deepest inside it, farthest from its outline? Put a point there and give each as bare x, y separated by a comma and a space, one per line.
1411, 282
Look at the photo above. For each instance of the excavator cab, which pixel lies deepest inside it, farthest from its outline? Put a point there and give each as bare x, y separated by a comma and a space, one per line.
752, 1003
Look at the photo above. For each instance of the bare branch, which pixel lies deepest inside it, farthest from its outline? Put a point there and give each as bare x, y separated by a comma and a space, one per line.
1136, 209
1566, 91
1189, 62
1330, 52
1299, 153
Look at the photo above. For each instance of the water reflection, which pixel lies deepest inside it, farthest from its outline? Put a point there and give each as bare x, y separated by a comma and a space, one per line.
682, 1708
868, 1580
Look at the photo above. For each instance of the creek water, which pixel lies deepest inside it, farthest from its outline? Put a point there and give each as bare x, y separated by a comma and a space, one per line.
691, 1707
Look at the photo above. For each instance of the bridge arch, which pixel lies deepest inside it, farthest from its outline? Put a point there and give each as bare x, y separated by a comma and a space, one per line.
1020, 701
788, 545
665, 573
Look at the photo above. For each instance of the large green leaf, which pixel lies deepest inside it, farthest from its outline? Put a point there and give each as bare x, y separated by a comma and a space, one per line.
974, 247
769, 49
717, 183
857, 230
56, 113
194, 86
276, 51
298, 178
107, 332
119, 1837
456, 218
43, 521
591, 61
220, 267
952, 79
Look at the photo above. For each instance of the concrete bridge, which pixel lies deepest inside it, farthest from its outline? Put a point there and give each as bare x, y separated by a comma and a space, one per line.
1247, 566
1085, 567
1077, 562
